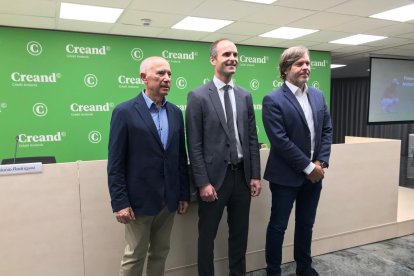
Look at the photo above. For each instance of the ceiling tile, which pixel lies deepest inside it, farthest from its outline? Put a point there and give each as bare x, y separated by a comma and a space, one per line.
184, 7
318, 5
104, 3
27, 21
219, 9
279, 16
362, 25
182, 34
367, 7
133, 17
216, 36
133, 30
323, 20
83, 26
247, 28
34, 8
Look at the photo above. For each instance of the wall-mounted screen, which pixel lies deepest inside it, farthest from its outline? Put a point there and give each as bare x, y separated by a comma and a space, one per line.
391, 91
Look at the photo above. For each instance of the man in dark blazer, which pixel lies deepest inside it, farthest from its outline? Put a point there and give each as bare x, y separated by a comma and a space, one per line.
147, 170
224, 157
298, 125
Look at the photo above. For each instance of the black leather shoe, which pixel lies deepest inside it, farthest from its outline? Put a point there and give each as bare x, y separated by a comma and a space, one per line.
309, 272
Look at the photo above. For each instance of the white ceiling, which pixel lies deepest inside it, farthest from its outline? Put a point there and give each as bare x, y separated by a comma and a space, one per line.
334, 18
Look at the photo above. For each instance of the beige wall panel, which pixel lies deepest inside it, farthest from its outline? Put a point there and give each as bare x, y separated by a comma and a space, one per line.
103, 236
40, 223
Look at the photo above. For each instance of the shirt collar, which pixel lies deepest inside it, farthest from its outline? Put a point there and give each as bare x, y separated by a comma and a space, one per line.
294, 89
150, 102
219, 84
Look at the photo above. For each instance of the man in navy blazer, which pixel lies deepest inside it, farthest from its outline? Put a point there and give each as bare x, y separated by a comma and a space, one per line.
298, 125
147, 170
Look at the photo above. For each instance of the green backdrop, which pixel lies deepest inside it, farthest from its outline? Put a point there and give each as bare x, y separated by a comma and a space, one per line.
58, 89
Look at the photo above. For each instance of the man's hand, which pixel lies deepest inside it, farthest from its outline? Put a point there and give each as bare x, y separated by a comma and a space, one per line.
317, 174
182, 207
208, 193
125, 215
255, 187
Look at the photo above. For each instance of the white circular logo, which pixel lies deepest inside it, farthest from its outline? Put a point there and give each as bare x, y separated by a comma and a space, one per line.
206, 80
40, 109
315, 84
94, 136
137, 54
34, 48
181, 83
90, 80
3, 106
254, 84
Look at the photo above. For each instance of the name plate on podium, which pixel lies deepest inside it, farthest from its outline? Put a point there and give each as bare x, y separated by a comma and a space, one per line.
23, 168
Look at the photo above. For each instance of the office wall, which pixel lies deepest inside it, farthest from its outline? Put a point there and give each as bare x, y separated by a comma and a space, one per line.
58, 89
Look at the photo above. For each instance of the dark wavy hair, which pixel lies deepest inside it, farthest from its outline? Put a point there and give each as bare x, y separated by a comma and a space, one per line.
290, 56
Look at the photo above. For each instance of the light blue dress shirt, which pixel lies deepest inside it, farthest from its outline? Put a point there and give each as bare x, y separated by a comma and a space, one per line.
160, 118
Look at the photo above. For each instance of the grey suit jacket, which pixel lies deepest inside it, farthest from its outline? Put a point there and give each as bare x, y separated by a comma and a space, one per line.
207, 135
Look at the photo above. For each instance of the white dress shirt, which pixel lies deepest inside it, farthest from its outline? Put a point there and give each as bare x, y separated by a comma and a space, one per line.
219, 85
302, 97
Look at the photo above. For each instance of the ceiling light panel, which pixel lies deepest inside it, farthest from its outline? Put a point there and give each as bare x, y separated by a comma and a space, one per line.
288, 33
201, 24
358, 39
401, 14
89, 13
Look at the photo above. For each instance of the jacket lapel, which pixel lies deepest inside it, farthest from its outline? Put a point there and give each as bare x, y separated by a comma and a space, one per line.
292, 99
171, 123
215, 99
314, 107
240, 112
143, 111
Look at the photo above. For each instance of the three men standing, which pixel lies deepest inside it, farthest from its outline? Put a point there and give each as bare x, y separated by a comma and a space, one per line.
147, 162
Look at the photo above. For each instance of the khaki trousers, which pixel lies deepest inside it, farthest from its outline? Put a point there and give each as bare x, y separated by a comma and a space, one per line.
147, 235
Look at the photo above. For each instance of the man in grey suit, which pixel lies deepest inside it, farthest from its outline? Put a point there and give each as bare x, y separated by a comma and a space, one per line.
224, 157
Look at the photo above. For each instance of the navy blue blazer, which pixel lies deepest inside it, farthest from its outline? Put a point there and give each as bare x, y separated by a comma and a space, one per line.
141, 174
289, 135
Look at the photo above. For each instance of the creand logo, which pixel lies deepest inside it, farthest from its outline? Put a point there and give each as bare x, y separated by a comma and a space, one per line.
78, 109
178, 56
254, 84
94, 137
25, 79
90, 80
40, 109
319, 63
181, 83
39, 138
75, 51
277, 83
129, 82
34, 48
137, 54
251, 61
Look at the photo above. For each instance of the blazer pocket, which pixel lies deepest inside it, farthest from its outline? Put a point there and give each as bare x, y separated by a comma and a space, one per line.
208, 159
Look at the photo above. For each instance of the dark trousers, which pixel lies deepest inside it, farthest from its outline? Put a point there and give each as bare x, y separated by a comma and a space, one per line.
283, 197
235, 195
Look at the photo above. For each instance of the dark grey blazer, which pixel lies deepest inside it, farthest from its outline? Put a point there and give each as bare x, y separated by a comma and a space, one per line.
207, 135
